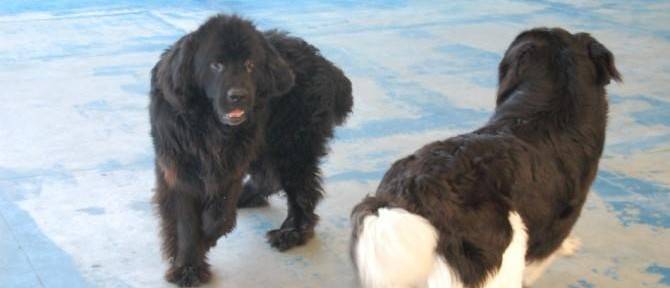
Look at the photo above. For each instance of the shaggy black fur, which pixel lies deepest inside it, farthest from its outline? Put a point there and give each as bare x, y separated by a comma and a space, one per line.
538, 155
227, 100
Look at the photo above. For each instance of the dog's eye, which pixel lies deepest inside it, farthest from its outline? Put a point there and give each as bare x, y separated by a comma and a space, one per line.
249, 65
217, 66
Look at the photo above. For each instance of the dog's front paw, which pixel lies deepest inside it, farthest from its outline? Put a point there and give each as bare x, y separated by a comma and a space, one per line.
188, 276
286, 238
570, 245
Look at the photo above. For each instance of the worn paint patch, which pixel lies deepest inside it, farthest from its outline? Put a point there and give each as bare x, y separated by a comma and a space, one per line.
29, 257
634, 200
75, 142
664, 271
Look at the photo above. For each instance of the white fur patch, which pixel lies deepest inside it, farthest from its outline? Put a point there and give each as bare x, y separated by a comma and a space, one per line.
513, 264
443, 276
395, 249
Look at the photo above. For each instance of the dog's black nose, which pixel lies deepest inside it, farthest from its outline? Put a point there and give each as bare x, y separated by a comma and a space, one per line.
237, 94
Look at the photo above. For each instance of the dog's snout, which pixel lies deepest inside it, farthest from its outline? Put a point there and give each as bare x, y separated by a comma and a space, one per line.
237, 94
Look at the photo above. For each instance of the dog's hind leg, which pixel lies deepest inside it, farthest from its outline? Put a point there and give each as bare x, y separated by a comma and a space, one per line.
535, 269
300, 177
263, 181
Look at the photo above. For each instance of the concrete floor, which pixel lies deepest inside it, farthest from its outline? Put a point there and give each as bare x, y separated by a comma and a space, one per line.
76, 159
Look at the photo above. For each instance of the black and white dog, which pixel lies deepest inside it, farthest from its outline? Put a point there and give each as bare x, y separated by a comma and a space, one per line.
494, 207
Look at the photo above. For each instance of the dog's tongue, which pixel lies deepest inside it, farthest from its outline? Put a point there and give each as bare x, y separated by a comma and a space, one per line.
236, 113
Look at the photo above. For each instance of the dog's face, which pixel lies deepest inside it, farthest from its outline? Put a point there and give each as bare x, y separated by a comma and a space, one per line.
555, 55
227, 64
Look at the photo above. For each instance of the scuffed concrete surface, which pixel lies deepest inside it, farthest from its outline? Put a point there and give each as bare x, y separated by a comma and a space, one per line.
76, 157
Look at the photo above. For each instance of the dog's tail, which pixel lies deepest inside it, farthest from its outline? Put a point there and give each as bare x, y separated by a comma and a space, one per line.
392, 247
340, 87
344, 102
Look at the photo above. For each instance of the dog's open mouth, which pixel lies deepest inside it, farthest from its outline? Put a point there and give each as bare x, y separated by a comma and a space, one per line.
237, 113
235, 117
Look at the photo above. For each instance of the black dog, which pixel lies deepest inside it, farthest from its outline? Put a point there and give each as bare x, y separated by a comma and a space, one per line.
227, 100
492, 207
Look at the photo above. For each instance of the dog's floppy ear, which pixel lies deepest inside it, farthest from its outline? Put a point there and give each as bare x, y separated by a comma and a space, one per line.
278, 77
175, 72
604, 62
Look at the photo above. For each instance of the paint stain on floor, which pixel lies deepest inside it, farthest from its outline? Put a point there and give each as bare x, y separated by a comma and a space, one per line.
76, 163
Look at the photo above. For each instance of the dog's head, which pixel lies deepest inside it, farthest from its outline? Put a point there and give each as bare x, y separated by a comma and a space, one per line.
543, 55
227, 64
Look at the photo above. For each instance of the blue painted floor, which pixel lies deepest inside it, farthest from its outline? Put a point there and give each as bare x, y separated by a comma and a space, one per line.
76, 158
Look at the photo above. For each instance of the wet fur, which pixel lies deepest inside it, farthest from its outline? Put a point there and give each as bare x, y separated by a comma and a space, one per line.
297, 98
537, 156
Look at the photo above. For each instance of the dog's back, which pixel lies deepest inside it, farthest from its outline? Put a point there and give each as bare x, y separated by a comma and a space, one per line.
507, 194
448, 193
331, 92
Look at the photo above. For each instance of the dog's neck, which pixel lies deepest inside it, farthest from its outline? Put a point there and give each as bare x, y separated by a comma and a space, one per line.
536, 107
560, 106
